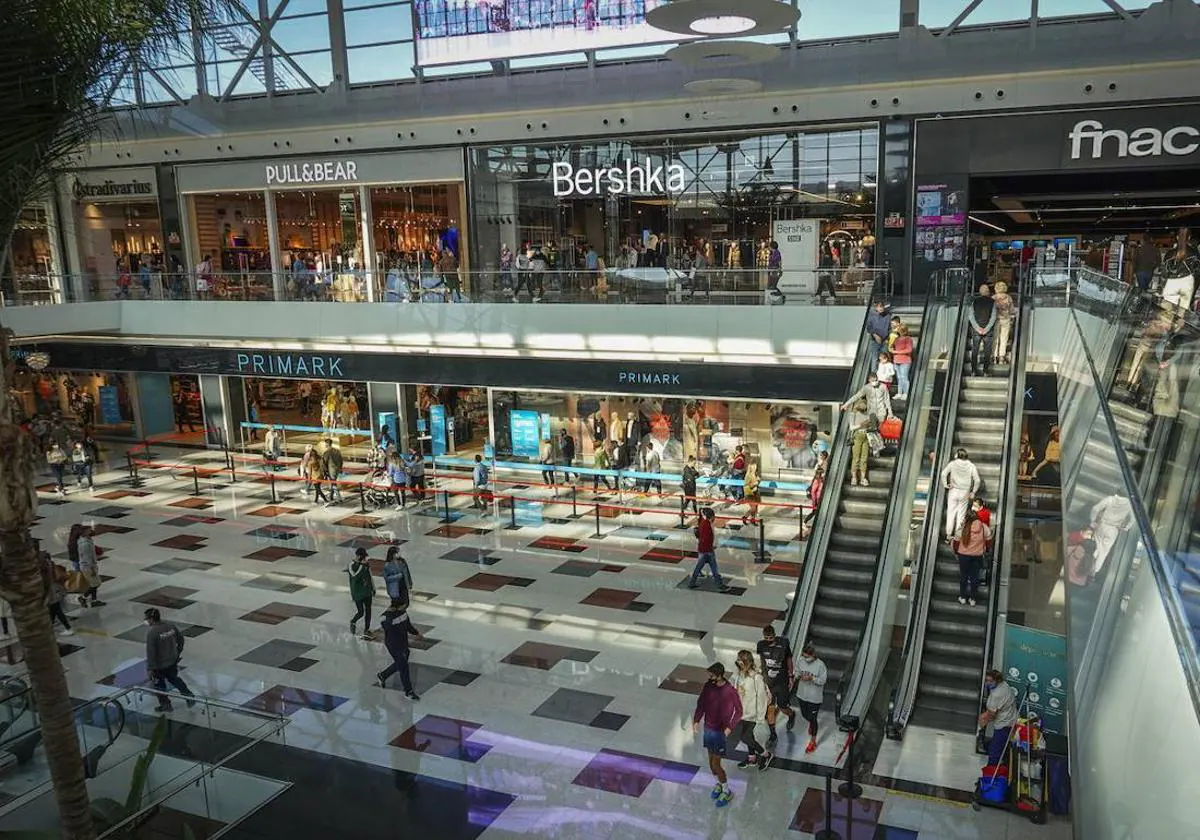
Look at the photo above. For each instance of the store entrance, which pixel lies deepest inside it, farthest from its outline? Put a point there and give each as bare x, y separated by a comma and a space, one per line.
306, 411
1140, 227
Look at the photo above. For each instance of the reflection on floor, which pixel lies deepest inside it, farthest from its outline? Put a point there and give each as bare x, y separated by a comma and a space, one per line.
556, 686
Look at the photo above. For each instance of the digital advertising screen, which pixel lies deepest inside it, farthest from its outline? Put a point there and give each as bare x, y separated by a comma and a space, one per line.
453, 31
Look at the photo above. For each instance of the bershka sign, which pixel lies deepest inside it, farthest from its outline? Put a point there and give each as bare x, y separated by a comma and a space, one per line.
1089, 139
291, 364
633, 177
316, 172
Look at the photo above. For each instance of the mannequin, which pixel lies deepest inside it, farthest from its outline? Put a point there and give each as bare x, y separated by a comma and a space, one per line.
734, 257
691, 431
599, 429
633, 434
1111, 516
617, 429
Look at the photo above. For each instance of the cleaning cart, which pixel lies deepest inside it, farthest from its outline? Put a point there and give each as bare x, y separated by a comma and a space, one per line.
1018, 781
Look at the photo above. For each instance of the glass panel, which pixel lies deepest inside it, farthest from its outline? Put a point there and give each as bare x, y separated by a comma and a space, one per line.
936, 14
380, 64
1067, 8
318, 65
298, 7
378, 25
821, 20
309, 33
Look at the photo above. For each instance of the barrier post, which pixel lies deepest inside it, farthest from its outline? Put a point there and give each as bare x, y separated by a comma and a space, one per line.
762, 555
598, 535
146, 448
232, 471
446, 520
362, 496
828, 833
195, 481
225, 452
512, 513
682, 509
129, 467
574, 509
850, 789
271, 476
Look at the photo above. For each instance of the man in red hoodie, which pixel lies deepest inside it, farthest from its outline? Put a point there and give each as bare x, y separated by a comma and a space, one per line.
720, 708
706, 550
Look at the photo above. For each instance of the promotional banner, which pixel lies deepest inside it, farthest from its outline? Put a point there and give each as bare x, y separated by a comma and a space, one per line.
437, 429
110, 405
524, 426
1037, 661
387, 420
800, 247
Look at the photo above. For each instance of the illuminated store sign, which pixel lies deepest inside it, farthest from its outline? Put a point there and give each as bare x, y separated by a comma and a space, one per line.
290, 364
1091, 137
633, 177
633, 377
316, 172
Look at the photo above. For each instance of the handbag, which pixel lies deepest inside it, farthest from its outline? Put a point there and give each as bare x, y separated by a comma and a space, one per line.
76, 581
891, 428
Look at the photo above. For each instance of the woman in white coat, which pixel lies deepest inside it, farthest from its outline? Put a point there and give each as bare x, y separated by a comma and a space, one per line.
752, 690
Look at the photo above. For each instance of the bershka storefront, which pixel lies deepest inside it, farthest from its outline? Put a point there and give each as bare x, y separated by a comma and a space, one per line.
1092, 186
323, 228
479, 404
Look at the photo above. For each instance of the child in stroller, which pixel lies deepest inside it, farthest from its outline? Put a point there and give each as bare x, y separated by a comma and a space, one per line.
709, 478
377, 490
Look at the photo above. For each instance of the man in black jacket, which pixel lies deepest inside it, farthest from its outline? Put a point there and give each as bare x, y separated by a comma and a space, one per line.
164, 646
566, 452
331, 465
688, 482
396, 630
983, 322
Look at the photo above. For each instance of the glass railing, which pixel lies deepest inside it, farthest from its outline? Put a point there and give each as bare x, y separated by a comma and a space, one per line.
185, 758
914, 477
649, 285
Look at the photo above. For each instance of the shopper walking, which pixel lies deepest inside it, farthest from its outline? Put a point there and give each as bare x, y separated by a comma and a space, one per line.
89, 567
1000, 710
902, 353
397, 479
751, 493
961, 480
311, 471
546, 459
480, 496
396, 629
331, 467
362, 592
719, 710
969, 547
164, 646
566, 453
752, 692
81, 464
414, 465
57, 461
687, 483
706, 552
811, 675
397, 577
778, 669
273, 447
601, 460
982, 317
54, 578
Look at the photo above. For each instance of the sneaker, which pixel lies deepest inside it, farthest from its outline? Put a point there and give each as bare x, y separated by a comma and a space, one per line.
191, 702
716, 791
971, 601
412, 695
367, 637
99, 603
381, 680
773, 738
854, 480
67, 631
83, 602
764, 761
791, 724
164, 707
865, 483
725, 798
537, 300
962, 601
692, 584
354, 626
725, 588
744, 763
812, 746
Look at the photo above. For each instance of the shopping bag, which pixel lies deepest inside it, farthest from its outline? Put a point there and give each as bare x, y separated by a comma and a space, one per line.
76, 581
891, 428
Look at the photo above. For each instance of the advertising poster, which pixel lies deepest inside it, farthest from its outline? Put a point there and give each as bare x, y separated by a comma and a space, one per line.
485, 30
1037, 661
110, 405
387, 420
800, 248
525, 428
940, 205
437, 429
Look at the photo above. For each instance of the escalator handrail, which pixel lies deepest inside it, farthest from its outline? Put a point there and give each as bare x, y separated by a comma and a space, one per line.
851, 682
1006, 498
800, 611
914, 640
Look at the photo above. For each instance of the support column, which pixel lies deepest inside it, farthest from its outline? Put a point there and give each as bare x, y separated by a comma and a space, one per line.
268, 57
277, 286
337, 44
75, 287
366, 218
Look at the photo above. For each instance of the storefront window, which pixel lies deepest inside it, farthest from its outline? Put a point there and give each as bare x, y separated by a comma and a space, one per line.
230, 229
453, 421
30, 275
711, 201
99, 403
417, 239
307, 411
784, 437
120, 246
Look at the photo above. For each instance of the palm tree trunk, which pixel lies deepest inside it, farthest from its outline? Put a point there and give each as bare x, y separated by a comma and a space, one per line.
24, 586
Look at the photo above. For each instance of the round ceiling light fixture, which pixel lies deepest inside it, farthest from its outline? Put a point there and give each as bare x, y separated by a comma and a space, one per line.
723, 17
720, 54
723, 87
723, 25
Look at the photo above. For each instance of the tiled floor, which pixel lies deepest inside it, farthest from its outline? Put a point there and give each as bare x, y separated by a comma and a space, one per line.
557, 677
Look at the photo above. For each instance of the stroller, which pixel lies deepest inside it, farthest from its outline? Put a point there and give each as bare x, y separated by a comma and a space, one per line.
710, 477
377, 491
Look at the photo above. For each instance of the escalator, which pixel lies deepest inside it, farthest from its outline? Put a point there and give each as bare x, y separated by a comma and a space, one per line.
949, 643
848, 570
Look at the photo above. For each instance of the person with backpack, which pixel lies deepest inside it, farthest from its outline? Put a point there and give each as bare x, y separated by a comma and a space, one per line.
397, 578
164, 646
362, 592
480, 497
969, 546
706, 551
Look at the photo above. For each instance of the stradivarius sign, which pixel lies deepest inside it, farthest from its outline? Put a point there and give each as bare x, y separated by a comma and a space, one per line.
1090, 139
631, 177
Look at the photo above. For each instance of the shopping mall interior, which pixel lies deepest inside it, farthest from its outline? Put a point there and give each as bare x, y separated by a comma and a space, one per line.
688, 418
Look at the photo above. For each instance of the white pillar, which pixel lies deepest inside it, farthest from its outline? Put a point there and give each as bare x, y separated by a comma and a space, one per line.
277, 285
367, 235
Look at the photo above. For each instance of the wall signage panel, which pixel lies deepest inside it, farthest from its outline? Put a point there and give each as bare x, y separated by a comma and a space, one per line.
417, 166
686, 379
104, 185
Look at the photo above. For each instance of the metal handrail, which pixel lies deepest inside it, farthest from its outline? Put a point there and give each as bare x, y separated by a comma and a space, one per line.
896, 527
903, 696
800, 610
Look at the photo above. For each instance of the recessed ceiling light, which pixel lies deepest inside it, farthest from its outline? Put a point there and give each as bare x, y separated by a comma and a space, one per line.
723, 25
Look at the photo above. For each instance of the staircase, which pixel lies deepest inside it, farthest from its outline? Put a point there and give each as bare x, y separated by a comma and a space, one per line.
956, 634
